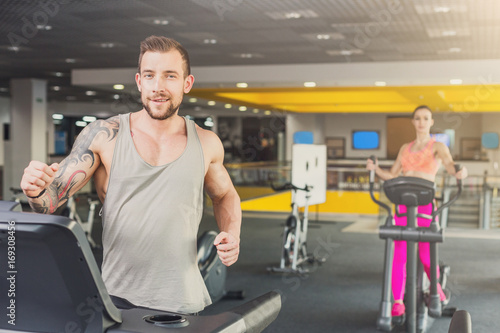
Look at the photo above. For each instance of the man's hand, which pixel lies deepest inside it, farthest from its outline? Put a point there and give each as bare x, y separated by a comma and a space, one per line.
37, 177
228, 248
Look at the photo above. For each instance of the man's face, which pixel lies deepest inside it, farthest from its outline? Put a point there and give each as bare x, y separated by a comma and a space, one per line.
162, 83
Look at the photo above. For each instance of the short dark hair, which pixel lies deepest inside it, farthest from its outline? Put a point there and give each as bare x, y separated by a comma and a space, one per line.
420, 107
164, 44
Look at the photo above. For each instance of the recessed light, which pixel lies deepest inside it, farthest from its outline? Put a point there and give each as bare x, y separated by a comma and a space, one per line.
13, 48
242, 85
242, 108
70, 60
210, 41
255, 110
160, 22
56, 88
80, 123
293, 15
44, 27
309, 84
228, 106
57, 116
441, 9
246, 55
267, 112
323, 36
448, 33
380, 83
193, 100
89, 119
90, 93
116, 96
456, 81
107, 45
211, 103
118, 86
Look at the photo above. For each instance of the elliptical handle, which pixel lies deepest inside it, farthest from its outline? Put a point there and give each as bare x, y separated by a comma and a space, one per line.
372, 172
455, 197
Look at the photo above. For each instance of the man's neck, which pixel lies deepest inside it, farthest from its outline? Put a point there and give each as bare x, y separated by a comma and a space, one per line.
157, 128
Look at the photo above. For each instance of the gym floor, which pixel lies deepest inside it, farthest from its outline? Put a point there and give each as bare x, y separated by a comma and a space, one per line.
343, 294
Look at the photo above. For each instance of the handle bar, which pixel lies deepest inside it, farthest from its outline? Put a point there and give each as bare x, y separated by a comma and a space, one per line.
452, 200
372, 182
290, 186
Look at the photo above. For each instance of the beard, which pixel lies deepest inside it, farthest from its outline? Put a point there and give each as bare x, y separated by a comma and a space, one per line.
161, 114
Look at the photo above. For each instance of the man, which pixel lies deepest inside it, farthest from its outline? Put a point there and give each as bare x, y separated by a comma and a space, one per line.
149, 169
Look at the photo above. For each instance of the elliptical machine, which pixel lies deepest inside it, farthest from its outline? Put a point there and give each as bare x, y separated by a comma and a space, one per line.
412, 192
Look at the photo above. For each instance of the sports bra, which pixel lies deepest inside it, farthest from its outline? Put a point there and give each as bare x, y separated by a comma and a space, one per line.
420, 161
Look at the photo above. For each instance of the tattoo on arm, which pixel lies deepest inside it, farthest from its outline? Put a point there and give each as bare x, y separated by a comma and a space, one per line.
60, 189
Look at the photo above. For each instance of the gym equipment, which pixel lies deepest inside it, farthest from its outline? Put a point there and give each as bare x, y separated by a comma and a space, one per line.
411, 192
213, 271
50, 282
87, 226
294, 248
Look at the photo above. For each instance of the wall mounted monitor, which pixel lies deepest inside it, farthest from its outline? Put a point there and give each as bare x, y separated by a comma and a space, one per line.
442, 137
489, 140
362, 140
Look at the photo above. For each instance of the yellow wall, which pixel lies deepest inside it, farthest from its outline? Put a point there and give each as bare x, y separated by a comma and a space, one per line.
336, 202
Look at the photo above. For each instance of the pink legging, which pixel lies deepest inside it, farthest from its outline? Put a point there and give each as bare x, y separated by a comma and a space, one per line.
399, 260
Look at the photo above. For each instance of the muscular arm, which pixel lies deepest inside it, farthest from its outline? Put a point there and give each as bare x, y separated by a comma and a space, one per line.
227, 209
73, 172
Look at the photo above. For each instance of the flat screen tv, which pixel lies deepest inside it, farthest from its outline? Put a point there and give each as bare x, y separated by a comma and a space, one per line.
365, 140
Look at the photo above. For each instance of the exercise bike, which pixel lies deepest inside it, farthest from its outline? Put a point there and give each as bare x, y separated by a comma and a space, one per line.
294, 248
412, 192
87, 226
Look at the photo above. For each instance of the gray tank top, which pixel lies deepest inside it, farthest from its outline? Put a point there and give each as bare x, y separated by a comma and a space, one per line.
151, 216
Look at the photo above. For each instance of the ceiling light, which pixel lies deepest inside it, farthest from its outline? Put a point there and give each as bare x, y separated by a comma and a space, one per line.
255, 110
323, 37
160, 22
57, 116
267, 112
116, 96
456, 81
209, 41
242, 108
242, 85
228, 106
193, 100
89, 119
59, 74
246, 55
56, 88
107, 45
90, 93
44, 27
118, 86
441, 9
13, 48
448, 33
211, 103
309, 84
293, 15
380, 83
80, 123
70, 60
